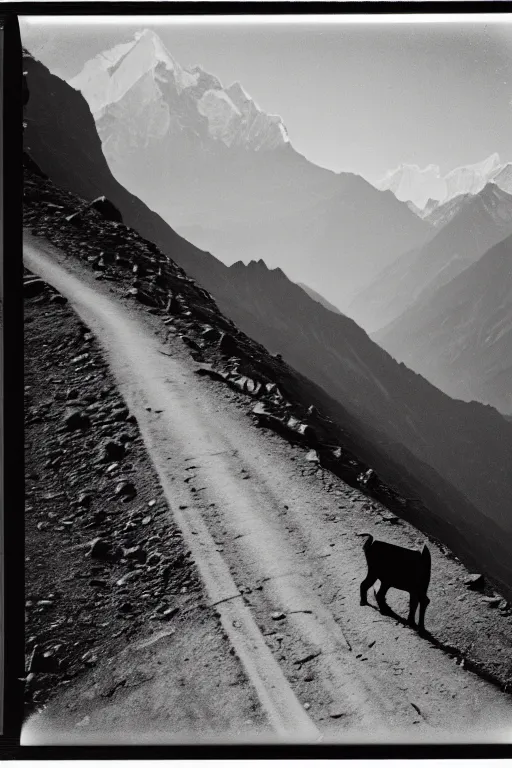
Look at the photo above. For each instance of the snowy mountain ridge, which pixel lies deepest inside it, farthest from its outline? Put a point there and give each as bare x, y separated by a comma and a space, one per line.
419, 186
173, 95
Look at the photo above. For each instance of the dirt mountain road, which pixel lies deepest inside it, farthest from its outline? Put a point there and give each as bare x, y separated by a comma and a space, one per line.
278, 552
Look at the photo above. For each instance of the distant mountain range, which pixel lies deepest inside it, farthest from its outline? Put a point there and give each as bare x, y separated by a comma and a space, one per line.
421, 186
455, 456
460, 337
475, 224
225, 174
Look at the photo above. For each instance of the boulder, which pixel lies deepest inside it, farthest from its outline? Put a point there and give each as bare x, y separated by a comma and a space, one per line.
135, 553
366, 478
144, 298
228, 345
32, 287
211, 334
101, 549
475, 581
126, 490
58, 298
112, 451
107, 209
75, 419
173, 306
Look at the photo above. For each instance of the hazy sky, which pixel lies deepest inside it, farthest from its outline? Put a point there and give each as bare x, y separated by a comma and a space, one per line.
360, 98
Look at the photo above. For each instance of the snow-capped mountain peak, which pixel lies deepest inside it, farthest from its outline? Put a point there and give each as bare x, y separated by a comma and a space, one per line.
171, 97
416, 185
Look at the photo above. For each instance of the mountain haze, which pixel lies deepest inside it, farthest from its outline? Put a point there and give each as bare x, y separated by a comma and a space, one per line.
317, 297
460, 338
481, 222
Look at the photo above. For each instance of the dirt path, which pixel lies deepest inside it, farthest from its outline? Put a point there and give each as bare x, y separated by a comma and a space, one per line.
278, 552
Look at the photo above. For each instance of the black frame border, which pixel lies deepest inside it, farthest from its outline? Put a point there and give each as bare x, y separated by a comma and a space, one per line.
12, 372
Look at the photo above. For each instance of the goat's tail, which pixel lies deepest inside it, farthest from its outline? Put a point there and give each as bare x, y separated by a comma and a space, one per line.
427, 563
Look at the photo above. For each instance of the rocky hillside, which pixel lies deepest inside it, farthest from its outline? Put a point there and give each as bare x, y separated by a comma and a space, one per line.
481, 222
106, 563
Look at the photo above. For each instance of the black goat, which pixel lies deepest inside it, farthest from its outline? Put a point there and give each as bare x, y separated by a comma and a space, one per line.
401, 568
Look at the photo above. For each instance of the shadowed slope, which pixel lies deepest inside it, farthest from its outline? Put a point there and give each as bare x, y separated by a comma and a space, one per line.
461, 337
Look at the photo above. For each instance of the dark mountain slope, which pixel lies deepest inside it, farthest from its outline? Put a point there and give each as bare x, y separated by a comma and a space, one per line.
481, 222
317, 297
461, 337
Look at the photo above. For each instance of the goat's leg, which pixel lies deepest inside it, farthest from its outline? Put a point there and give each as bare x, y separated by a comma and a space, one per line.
424, 601
381, 597
365, 586
413, 605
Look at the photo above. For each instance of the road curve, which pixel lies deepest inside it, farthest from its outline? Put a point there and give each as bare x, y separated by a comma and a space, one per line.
282, 571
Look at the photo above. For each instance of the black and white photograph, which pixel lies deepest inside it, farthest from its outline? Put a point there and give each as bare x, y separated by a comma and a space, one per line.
267, 305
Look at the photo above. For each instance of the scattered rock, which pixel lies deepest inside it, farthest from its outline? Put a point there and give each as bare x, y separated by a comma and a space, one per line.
391, 519
98, 583
84, 499
126, 490
121, 414
228, 345
107, 209
278, 615
191, 343
75, 419
475, 581
170, 612
43, 661
492, 602
33, 287
135, 553
211, 334
111, 451
131, 576
58, 298
102, 549
89, 658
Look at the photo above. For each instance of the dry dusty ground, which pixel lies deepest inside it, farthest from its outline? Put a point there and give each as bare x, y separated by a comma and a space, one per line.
286, 531
104, 628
